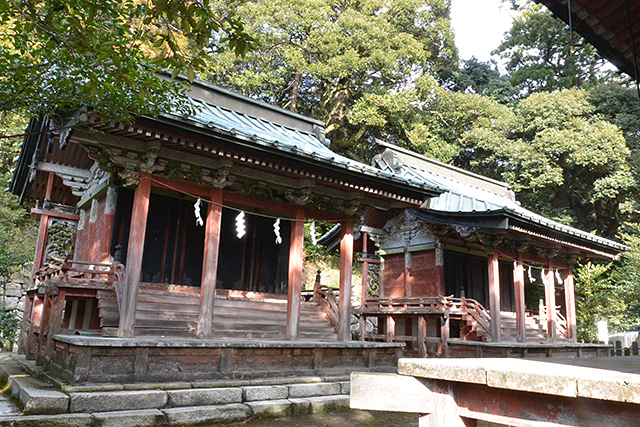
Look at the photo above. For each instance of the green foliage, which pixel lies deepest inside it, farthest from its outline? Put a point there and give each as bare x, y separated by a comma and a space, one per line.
542, 56
321, 58
562, 160
597, 298
56, 57
9, 327
484, 79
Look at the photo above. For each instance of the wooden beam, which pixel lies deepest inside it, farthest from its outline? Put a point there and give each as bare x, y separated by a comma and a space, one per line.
494, 295
550, 302
570, 302
296, 258
518, 283
135, 253
210, 264
346, 265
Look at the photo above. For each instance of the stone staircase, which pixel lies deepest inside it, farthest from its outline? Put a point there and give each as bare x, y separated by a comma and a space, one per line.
51, 402
176, 314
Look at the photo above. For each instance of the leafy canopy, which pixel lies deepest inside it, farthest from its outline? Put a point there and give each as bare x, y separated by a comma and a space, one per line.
321, 58
57, 56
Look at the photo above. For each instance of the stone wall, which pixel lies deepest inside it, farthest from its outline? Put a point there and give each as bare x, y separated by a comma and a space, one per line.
13, 291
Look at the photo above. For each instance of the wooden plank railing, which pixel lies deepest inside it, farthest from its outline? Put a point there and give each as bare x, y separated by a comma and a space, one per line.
82, 273
327, 299
431, 305
561, 322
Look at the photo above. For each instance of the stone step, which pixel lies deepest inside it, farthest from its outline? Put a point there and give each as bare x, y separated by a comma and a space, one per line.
194, 415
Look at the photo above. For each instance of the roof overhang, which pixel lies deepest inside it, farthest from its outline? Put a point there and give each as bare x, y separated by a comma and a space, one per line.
612, 27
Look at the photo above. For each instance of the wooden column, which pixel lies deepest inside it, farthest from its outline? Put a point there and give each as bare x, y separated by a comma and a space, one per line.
494, 295
43, 230
296, 258
570, 302
550, 302
346, 264
518, 283
210, 264
135, 252
364, 289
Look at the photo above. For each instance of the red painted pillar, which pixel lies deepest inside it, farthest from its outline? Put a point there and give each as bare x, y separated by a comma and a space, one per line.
550, 302
346, 264
43, 230
210, 264
518, 283
494, 295
570, 302
135, 253
296, 259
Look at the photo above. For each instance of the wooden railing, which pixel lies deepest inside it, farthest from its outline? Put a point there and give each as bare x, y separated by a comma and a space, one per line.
431, 305
327, 299
561, 322
82, 273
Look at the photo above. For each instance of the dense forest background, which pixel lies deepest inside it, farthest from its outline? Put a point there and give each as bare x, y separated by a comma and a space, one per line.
556, 124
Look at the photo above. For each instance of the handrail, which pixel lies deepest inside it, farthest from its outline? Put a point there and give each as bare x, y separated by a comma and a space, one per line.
451, 305
326, 298
83, 273
561, 322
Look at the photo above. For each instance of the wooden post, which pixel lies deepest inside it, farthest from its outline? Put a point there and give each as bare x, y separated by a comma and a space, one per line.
390, 332
422, 336
210, 264
296, 258
444, 335
570, 301
550, 302
494, 295
43, 230
518, 283
135, 252
364, 289
346, 264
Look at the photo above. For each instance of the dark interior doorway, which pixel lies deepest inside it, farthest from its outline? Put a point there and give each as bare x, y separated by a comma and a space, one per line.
254, 262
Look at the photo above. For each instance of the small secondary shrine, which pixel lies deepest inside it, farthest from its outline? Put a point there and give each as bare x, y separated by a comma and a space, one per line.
172, 248
471, 272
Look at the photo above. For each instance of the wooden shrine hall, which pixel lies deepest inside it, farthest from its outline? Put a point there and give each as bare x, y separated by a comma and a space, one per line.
472, 273
172, 248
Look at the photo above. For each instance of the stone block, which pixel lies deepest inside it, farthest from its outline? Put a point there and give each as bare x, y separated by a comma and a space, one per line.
265, 392
299, 406
323, 404
272, 408
208, 414
11, 303
176, 385
204, 396
37, 398
91, 387
345, 387
146, 417
63, 420
314, 389
13, 290
106, 401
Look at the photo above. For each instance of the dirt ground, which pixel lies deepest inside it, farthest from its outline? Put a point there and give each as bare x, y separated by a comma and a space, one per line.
349, 418
352, 418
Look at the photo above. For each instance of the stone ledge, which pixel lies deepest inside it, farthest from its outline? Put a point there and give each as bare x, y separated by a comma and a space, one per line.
64, 420
208, 414
117, 400
147, 417
37, 397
